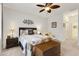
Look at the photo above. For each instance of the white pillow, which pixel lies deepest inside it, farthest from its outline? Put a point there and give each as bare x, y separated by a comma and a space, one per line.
35, 31
21, 32
24, 32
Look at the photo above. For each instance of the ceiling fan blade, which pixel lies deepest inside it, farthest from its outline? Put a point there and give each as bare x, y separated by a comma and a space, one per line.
54, 6
49, 11
40, 5
46, 4
42, 10
49, 4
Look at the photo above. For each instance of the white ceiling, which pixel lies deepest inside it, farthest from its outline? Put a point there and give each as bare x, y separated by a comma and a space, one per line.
31, 8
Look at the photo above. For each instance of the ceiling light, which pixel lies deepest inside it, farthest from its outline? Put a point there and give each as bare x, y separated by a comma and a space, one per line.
47, 8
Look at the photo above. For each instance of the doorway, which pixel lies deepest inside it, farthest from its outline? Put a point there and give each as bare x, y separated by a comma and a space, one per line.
71, 28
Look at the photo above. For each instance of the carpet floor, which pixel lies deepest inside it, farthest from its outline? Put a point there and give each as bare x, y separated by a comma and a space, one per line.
67, 49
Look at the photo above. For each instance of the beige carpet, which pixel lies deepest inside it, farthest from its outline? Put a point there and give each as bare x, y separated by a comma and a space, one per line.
67, 49
15, 51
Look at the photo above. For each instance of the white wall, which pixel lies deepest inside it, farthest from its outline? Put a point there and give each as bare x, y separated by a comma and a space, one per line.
57, 32
16, 18
0, 27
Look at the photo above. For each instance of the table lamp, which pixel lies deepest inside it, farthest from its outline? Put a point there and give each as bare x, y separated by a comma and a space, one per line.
12, 31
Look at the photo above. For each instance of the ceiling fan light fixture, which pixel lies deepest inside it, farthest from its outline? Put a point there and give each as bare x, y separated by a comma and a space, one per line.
47, 8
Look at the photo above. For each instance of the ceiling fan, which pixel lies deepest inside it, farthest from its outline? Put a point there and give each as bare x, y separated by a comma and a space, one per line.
47, 7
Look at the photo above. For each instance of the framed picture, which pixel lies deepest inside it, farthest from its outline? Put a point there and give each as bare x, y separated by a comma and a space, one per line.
53, 24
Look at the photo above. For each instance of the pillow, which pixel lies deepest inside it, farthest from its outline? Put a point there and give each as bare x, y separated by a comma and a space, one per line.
35, 31
30, 32
21, 32
24, 32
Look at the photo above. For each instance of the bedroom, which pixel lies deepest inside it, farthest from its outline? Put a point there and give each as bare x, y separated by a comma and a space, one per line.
14, 15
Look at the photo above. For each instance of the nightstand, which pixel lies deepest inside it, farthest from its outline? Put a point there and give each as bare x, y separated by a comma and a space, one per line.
11, 42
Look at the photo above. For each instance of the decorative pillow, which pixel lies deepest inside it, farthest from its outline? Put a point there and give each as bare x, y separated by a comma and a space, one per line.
24, 32
30, 32
21, 32
35, 31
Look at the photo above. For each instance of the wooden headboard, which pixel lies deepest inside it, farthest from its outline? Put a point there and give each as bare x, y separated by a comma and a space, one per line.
30, 30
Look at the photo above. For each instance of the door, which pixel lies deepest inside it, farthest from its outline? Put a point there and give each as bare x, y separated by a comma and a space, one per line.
71, 28
74, 28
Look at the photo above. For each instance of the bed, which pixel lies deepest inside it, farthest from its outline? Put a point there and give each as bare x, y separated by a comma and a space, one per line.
30, 43
28, 36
